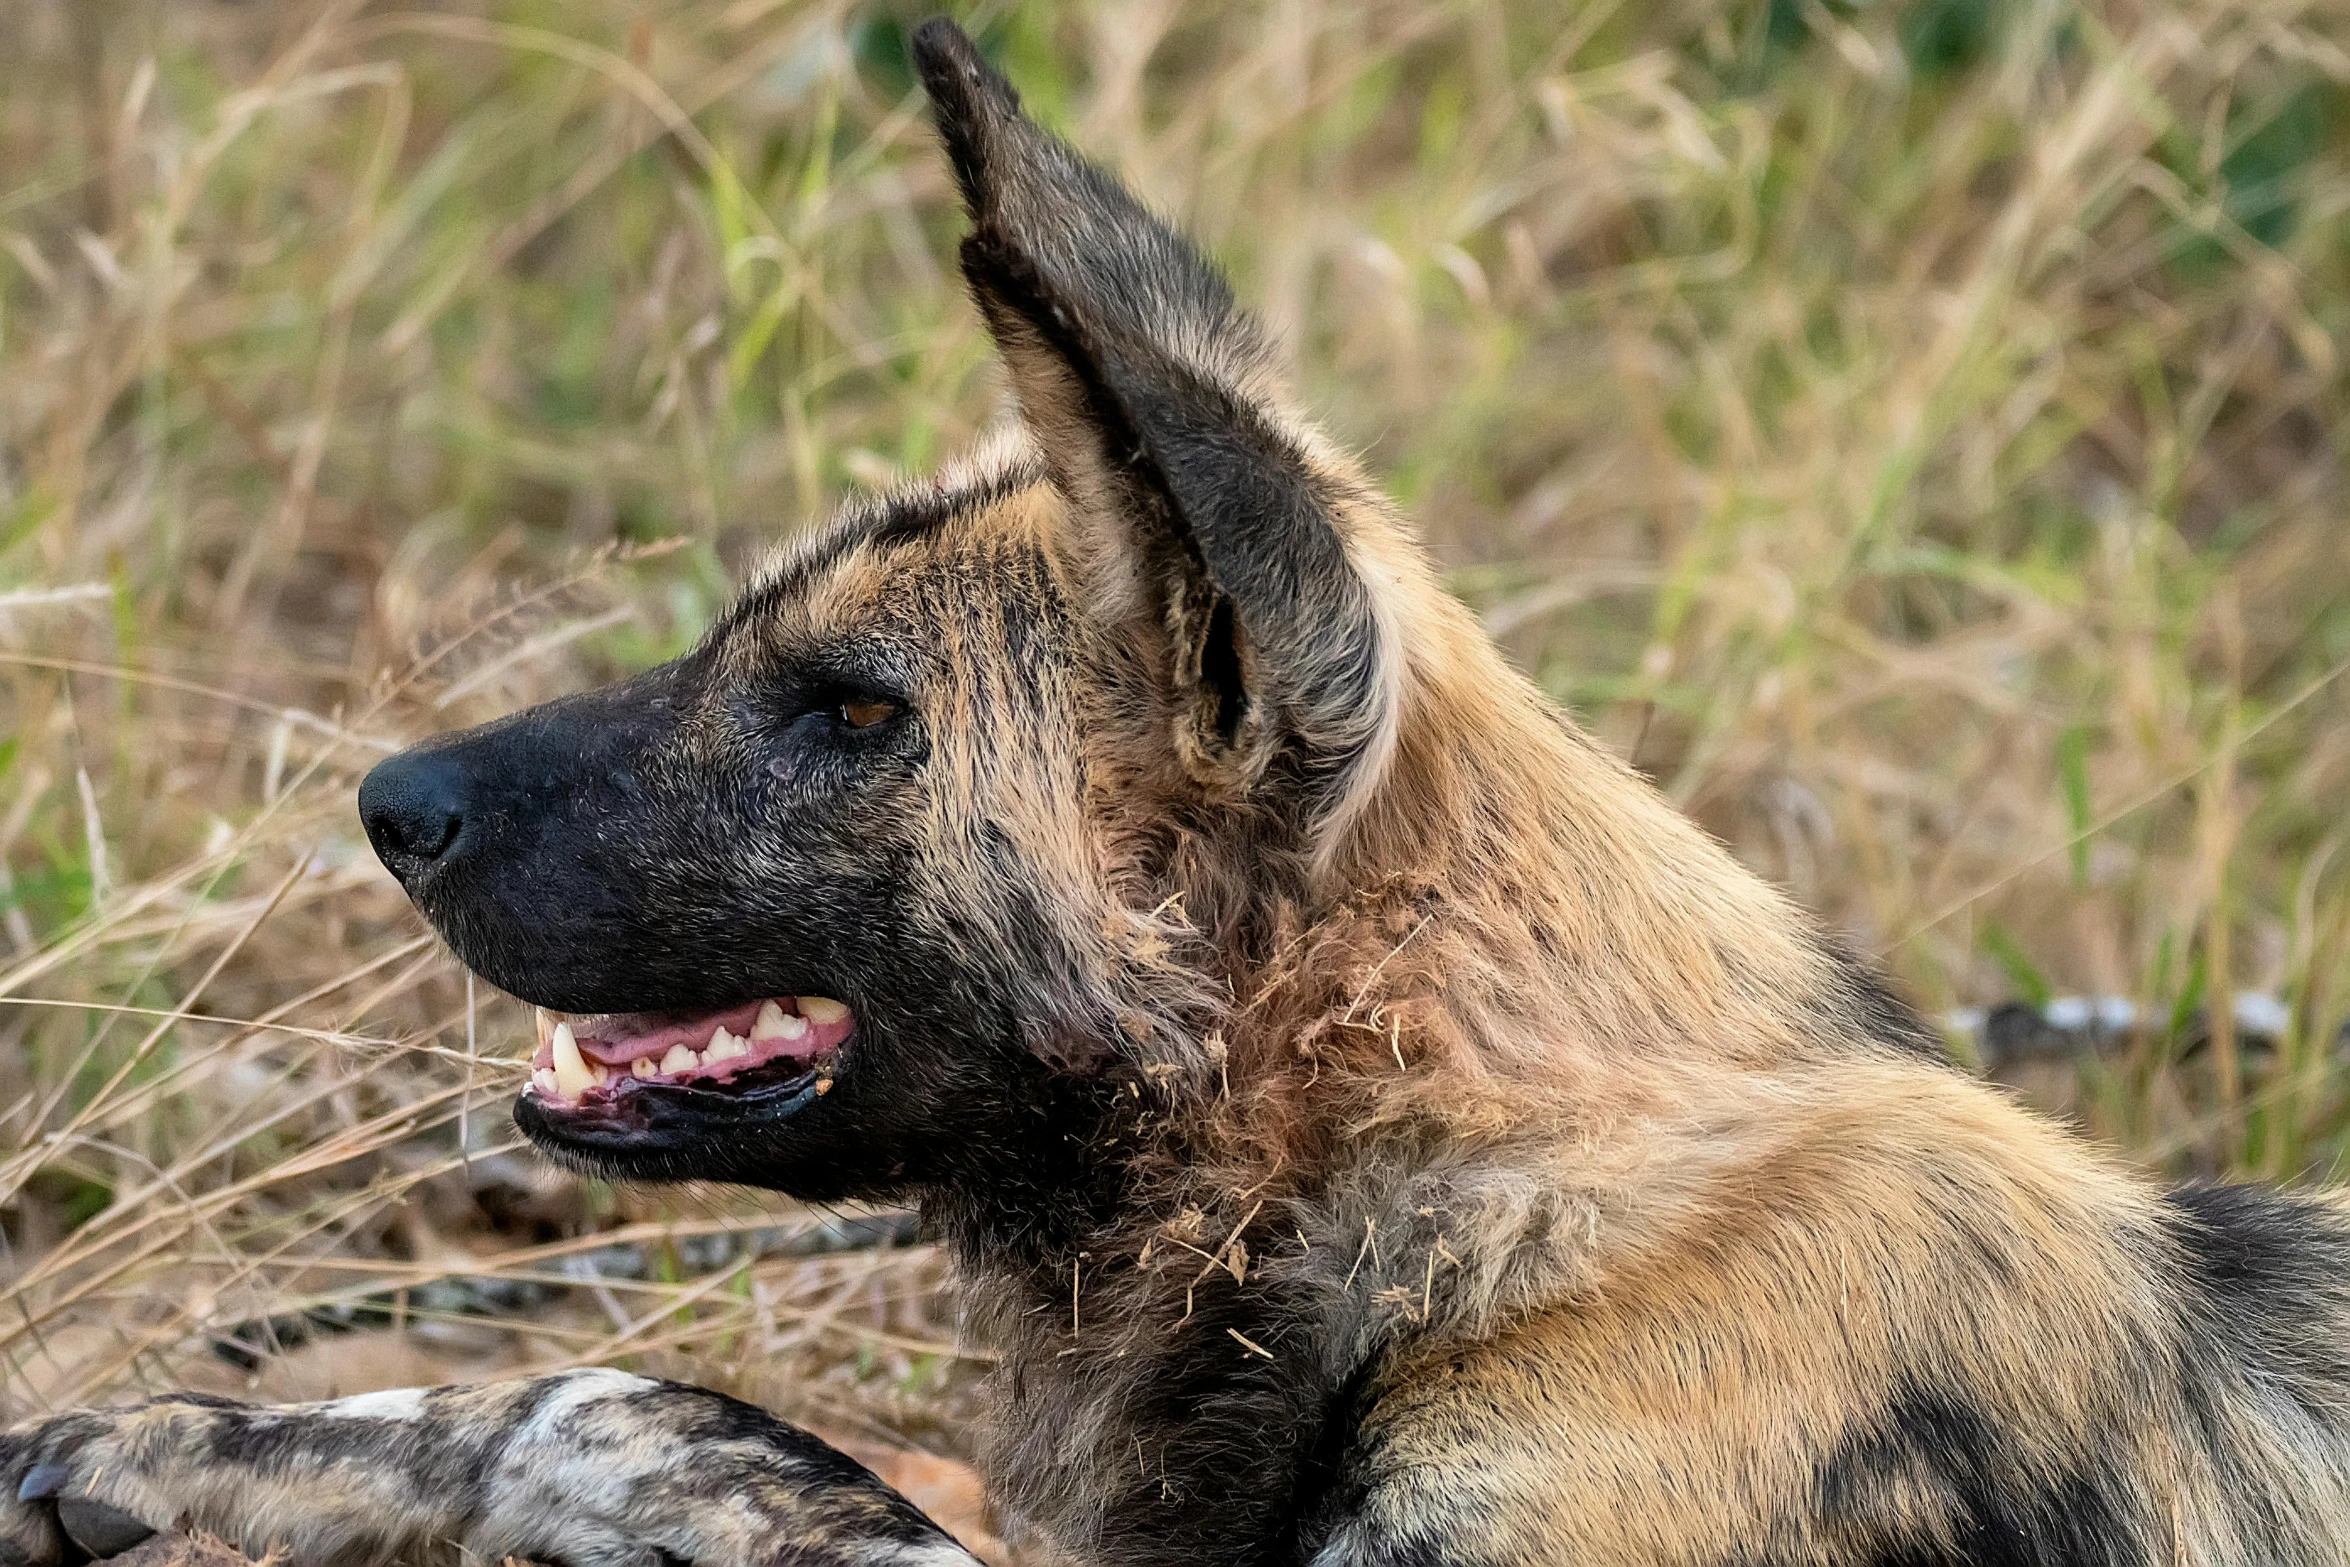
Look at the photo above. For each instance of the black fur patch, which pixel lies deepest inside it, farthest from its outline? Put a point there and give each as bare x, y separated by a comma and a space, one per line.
1223, 1433
1330, 1476
2267, 1279
1880, 1013
1935, 1441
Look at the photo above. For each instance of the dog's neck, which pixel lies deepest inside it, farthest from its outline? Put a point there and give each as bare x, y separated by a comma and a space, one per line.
1527, 936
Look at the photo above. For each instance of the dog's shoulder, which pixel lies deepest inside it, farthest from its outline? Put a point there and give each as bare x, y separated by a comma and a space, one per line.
1921, 1325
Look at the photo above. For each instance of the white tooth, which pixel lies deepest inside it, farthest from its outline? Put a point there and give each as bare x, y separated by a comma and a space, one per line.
643, 1066
544, 1081
769, 1024
572, 1076
679, 1060
822, 1009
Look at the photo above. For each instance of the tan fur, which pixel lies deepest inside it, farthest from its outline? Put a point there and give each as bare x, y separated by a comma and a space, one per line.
1659, 1216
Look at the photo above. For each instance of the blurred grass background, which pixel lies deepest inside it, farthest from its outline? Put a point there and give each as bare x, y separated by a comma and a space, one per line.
1911, 432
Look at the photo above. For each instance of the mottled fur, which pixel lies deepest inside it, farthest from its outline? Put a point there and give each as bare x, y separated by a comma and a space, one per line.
582, 1467
1375, 1127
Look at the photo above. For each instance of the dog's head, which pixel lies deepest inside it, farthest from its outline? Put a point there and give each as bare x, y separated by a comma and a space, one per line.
906, 866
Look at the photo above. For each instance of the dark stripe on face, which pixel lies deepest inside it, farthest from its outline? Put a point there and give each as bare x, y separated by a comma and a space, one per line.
906, 516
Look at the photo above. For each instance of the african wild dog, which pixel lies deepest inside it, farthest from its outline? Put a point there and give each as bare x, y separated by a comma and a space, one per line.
1374, 1126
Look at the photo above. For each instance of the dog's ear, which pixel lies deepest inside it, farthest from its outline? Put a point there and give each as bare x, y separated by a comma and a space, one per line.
1144, 386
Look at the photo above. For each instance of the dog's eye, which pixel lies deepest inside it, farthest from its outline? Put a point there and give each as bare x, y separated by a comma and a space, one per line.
863, 712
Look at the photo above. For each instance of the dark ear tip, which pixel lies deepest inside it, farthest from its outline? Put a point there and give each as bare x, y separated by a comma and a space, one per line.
953, 71
938, 46
964, 89
970, 101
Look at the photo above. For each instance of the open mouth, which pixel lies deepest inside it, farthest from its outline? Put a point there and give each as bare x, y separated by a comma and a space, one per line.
590, 1062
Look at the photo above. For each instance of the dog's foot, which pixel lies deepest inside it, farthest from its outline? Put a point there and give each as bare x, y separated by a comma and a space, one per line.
588, 1468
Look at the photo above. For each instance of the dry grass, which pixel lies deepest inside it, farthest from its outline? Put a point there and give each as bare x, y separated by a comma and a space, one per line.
1913, 433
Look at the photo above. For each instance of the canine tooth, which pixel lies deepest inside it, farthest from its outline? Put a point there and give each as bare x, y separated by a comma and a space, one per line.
572, 1073
822, 1009
643, 1066
770, 1024
544, 1081
679, 1060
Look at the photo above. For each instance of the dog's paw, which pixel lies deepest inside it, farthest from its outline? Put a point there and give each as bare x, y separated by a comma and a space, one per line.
69, 1492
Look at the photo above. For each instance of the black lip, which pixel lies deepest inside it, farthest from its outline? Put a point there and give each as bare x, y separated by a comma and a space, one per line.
636, 1120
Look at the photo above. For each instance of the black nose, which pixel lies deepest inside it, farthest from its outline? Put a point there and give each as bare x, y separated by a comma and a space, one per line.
413, 807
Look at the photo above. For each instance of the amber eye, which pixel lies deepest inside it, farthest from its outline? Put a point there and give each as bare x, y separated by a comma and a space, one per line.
863, 712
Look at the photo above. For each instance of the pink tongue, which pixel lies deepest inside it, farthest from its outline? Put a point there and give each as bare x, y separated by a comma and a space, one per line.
643, 1036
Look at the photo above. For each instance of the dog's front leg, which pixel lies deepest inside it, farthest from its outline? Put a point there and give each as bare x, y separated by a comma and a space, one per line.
583, 1468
